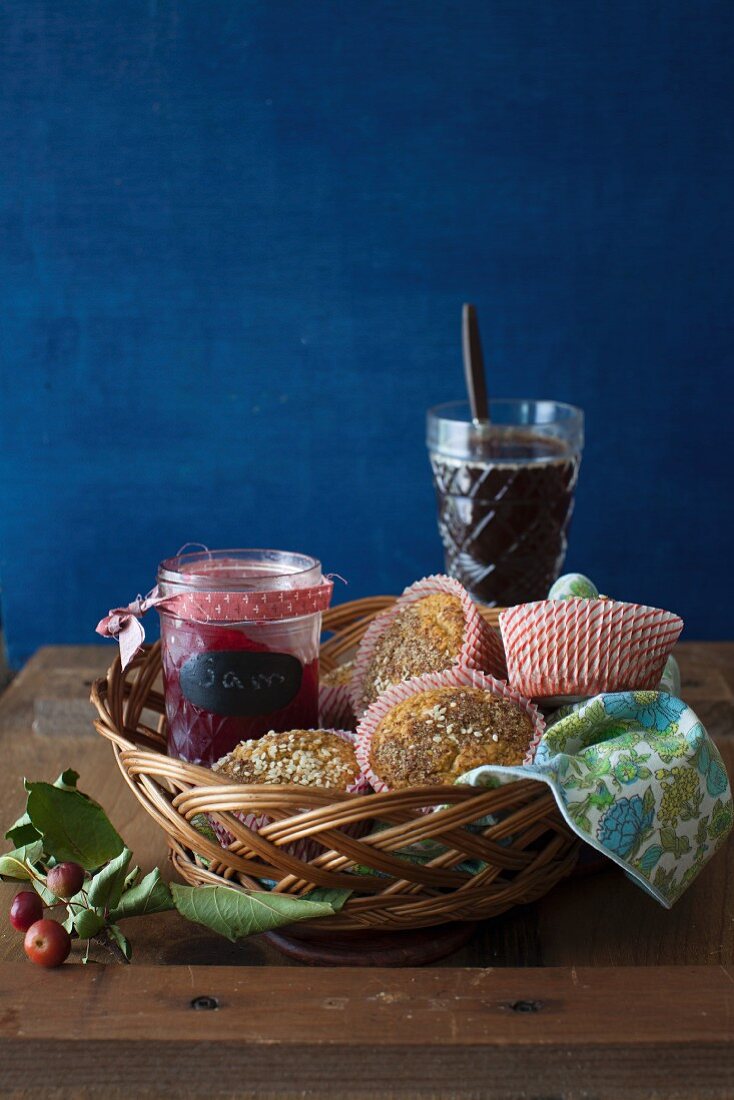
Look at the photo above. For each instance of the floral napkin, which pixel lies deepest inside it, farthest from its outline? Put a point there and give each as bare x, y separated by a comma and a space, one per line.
636, 776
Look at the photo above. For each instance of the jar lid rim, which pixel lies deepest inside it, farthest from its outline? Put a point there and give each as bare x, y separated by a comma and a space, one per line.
217, 570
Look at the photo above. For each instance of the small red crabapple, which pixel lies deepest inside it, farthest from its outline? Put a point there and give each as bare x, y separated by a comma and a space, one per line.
47, 943
65, 879
25, 910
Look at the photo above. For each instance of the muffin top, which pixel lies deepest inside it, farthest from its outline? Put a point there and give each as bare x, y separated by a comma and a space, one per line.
307, 758
426, 636
437, 735
339, 676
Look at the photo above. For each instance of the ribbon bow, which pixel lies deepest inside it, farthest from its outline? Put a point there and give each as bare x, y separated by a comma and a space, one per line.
123, 624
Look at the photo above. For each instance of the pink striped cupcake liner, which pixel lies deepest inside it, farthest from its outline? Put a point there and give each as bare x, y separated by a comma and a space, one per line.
583, 647
453, 677
496, 662
301, 849
482, 648
335, 706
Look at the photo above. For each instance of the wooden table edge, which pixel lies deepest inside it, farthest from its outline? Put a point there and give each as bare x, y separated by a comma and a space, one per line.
351, 1006
451, 1033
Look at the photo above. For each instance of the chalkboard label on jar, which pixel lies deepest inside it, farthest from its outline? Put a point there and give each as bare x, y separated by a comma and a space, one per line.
240, 683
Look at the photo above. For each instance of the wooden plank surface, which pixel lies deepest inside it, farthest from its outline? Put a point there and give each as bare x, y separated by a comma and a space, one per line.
598, 920
456, 1007
451, 1033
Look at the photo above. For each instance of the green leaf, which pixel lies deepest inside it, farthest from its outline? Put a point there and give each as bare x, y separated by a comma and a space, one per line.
75, 906
669, 840
13, 864
648, 800
67, 780
131, 878
683, 845
105, 889
124, 944
603, 798
88, 923
149, 896
72, 826
334, 898
12, 867
22, 832
201, 823
236, 914
650, 857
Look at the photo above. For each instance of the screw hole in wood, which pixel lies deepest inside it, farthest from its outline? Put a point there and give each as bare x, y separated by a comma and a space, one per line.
526, 1006
204, 1004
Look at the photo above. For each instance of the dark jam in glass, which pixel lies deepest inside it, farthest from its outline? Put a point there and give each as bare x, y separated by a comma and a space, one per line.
240, 636
504, 512
201, 735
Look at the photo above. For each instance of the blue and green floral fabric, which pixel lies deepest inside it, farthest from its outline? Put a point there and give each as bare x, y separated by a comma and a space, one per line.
670, 680
636, 775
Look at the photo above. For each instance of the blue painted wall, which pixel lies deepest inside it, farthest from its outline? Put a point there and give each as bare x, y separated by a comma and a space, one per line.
235, 238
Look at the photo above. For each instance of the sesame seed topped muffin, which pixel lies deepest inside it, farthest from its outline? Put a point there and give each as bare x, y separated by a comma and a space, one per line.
306, 758
426, 636
339, 676
437, 735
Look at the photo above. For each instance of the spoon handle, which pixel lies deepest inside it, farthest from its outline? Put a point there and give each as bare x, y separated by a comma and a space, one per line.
476, 383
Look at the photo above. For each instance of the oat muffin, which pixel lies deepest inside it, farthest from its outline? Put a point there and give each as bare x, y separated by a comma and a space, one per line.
338, 677
427, 636
437, 735
307, 758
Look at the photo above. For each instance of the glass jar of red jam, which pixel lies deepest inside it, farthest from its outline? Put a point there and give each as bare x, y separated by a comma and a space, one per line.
240, 647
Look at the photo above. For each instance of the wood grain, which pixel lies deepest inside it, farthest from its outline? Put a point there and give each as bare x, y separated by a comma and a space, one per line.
577, 1006
452, 1033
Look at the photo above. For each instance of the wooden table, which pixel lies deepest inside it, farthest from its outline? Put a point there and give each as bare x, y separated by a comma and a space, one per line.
593, 991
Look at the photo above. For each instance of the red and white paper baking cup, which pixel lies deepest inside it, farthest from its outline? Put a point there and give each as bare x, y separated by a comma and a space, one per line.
482, 649
583, 647
495, 660
452, 677
302, 849
335, 706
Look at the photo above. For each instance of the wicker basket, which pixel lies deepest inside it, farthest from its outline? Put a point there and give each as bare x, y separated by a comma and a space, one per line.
524, 853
